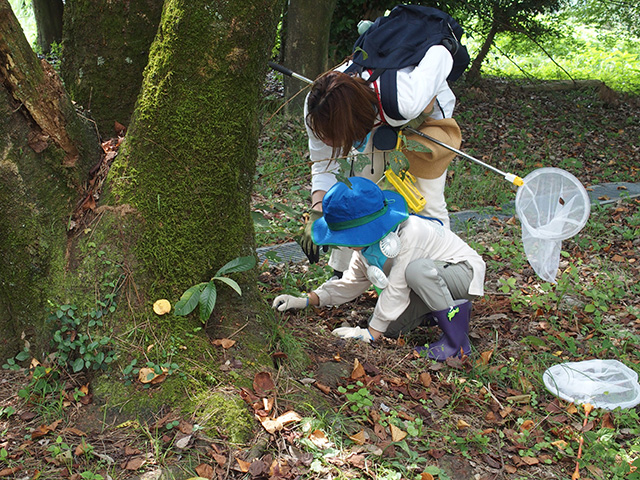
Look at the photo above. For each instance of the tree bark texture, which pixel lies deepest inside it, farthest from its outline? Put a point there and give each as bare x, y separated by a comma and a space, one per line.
306, 46
45, 153
106, 47
48, 15
187, 165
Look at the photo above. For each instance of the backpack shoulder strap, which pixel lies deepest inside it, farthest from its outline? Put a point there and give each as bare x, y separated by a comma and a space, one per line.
389, 94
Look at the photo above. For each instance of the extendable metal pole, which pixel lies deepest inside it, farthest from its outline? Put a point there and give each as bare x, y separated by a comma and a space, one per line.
515, 179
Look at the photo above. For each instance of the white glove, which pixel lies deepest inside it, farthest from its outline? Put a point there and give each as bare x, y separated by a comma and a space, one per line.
357, 333
287, 302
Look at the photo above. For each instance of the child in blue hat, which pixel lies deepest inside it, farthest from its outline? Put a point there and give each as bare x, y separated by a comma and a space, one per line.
425, 273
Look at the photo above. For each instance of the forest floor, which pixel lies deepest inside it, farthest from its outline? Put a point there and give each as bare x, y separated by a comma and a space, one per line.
381, 411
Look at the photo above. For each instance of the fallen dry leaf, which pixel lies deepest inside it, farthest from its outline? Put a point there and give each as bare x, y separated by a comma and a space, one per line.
462, 424
273, 425
530, 460
358, 370
134, 464
485, 357
359, 437
204, 470
426, 476
149, 375
162, 306
263, 384
425, 379
244, 466
7, 472
319, 439
225, 343
396, 433
527, 425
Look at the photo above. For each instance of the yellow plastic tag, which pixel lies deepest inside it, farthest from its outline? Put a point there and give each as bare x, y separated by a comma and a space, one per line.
407, 189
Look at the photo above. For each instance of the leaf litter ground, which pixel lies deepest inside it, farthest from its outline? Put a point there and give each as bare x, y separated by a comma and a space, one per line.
483, 417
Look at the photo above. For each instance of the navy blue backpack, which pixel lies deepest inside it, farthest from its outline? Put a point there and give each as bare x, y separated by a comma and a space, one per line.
401, 40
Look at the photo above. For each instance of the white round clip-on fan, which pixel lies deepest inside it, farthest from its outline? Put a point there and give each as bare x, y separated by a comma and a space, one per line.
552, 206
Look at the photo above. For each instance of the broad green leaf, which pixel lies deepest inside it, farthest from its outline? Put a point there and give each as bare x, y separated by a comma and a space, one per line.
188, 300
265, 207
207, 301
78, 365
416, 146
260, 220
230, 282
239, 264
287, 209
23, 355
398, 162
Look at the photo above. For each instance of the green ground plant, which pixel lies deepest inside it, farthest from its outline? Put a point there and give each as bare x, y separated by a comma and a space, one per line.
205, 294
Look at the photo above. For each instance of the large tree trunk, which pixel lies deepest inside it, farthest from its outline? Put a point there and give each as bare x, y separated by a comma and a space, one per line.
106, 47
46, 151
48, 15
174, 209
306, 46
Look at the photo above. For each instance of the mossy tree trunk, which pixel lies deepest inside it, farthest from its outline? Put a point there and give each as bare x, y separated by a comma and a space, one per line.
48, 15
46, 151
106, 47
306, 46
187, 165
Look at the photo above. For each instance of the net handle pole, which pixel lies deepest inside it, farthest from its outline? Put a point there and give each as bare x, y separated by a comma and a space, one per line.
290, 73
515, 179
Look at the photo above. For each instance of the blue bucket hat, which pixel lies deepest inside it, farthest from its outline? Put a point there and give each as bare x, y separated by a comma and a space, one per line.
359, 215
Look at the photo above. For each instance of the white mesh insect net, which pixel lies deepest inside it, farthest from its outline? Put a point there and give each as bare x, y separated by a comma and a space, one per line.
552, 206
606, 384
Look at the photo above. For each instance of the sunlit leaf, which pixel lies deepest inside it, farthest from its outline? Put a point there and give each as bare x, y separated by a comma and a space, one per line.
189, 300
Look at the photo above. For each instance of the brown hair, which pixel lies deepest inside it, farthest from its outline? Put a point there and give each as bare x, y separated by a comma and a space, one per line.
341, 110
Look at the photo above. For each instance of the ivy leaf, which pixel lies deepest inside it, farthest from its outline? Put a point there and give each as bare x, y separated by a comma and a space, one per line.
188, 300
207, 301
239, 264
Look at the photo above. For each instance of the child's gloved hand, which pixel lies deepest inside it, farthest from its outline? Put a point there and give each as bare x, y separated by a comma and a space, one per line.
357, 333
288, 302
310, 249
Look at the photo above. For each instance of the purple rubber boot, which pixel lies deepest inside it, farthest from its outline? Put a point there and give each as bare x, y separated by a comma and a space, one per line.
454, 323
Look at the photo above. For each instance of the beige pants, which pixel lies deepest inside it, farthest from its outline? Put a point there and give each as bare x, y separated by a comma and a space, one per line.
434, 286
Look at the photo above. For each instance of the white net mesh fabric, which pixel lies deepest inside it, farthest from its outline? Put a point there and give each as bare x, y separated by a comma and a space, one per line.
552, 206
606, 384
